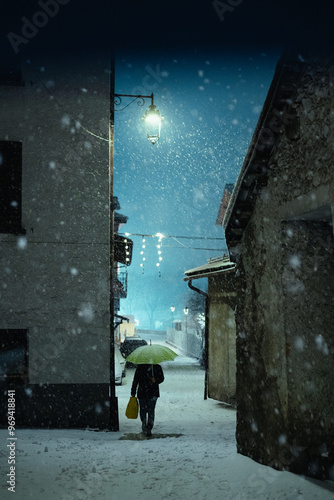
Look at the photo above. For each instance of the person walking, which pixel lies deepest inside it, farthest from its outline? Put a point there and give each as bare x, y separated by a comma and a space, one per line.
147, 379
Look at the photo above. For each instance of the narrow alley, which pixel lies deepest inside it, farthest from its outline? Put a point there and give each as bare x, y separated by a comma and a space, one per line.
192, 454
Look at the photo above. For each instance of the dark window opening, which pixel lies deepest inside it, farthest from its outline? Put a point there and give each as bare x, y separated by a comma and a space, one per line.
11, 187
14, 356
10, 74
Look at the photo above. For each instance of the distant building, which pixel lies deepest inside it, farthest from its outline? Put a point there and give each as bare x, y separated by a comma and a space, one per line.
220, 348
279, 232
127, 328
224, 203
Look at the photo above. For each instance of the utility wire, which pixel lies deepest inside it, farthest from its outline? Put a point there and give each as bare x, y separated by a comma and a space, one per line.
179, 242
69, 114
198, 248
171, 236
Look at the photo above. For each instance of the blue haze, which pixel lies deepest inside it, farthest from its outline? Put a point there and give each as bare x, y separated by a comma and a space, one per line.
211, 100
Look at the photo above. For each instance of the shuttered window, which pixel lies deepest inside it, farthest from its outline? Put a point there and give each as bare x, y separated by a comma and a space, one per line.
11, 187
14, 356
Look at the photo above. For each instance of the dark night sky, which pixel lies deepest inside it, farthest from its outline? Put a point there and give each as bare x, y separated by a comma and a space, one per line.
130, 23
215, 68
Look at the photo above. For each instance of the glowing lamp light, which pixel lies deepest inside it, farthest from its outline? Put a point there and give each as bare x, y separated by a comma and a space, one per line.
153, 120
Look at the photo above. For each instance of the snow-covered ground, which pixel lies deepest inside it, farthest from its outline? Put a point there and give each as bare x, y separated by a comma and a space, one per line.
192, 454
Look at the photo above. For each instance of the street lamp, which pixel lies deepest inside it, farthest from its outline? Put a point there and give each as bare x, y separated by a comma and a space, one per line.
152, 120
152, 116
172, 308
186, 311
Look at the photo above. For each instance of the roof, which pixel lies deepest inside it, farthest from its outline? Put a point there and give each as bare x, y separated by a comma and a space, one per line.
120, 219
211, 268
277, 113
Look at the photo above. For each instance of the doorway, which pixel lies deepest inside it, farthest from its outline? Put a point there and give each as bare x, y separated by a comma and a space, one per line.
308, 305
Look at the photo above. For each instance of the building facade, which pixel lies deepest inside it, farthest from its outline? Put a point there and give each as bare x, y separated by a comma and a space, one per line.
279, 232
220, 338
55, 241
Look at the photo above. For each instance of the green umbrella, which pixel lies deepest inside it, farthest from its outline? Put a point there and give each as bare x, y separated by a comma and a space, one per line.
151, 355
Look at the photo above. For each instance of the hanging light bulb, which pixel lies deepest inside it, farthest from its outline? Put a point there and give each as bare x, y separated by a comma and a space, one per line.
127, 253
142, 253
159, 236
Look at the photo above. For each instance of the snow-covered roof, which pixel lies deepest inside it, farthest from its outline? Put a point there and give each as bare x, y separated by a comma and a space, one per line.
211, 268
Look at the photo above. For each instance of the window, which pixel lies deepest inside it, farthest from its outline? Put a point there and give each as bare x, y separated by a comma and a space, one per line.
14, 356
10, 74
10, 187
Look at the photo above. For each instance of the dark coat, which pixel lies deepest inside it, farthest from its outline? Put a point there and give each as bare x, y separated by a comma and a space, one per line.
143, 380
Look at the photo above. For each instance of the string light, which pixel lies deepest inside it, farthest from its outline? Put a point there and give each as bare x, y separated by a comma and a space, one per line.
143, 246
127, 252
159, 245
160, 236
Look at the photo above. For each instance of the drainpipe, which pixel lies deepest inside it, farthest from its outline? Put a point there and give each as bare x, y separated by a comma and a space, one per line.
206, 336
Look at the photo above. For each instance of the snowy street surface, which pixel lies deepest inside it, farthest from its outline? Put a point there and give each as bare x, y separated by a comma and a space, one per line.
201, 464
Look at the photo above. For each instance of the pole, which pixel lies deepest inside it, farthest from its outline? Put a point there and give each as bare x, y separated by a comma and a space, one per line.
113, 417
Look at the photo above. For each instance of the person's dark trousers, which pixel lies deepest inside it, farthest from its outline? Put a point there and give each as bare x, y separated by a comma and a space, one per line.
147, 407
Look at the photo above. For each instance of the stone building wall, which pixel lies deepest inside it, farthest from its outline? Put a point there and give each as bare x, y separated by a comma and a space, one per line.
285, 310
308, 285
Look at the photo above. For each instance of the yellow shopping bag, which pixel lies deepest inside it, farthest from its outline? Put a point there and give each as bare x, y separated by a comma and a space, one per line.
132, 408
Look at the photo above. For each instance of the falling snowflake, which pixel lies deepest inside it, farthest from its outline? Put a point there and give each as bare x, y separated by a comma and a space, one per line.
86, 312
294, 261
22, 243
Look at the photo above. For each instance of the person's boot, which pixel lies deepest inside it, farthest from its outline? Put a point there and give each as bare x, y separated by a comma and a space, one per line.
148, 430
144, 428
